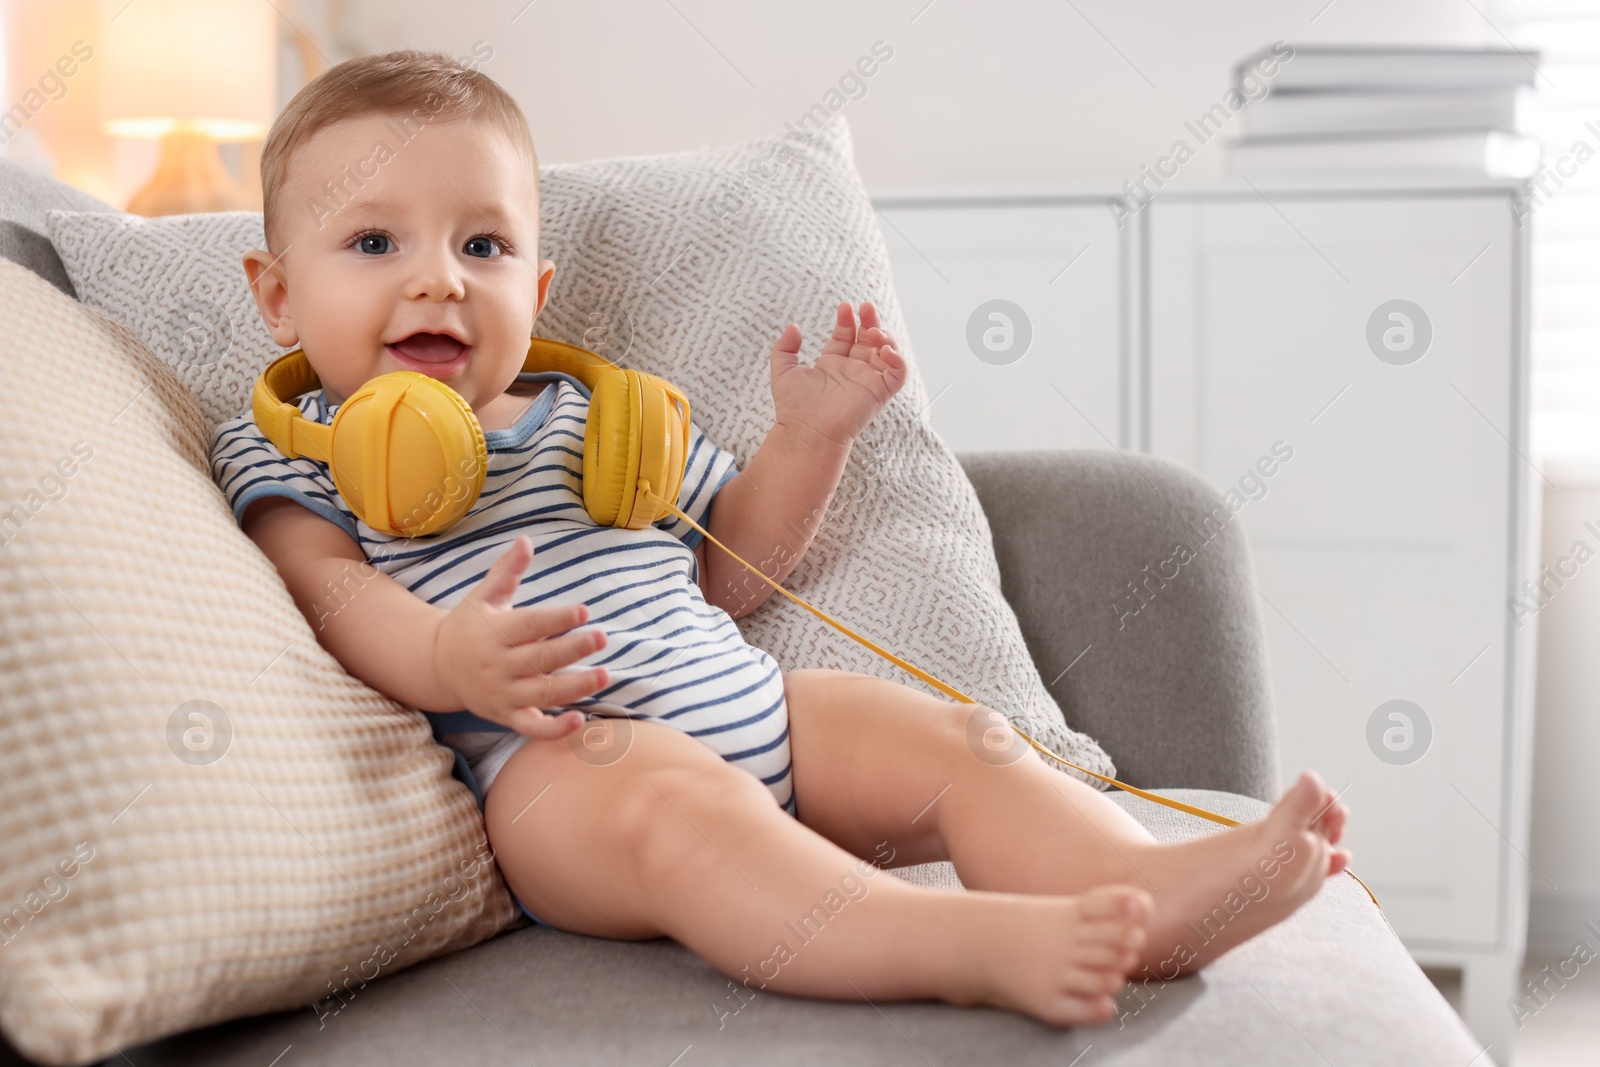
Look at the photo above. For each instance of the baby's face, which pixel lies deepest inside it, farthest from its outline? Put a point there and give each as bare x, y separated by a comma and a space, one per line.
442, 240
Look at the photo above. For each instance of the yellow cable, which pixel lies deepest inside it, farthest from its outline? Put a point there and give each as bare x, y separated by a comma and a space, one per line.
644, 484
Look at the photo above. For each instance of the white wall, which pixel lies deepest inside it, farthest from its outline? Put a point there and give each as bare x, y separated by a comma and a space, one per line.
1028, 91
1565, 888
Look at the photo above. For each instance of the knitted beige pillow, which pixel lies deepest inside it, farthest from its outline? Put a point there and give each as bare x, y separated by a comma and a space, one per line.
206, 816
689, 266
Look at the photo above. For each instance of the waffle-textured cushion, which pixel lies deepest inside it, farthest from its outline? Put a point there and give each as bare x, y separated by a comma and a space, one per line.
205, 815
689, 266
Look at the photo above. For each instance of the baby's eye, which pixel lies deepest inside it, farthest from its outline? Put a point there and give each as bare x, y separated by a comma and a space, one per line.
373, 242
478, 246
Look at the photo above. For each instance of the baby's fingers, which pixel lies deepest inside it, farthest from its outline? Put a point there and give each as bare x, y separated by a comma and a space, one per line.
785, 350
501, 582
844, 331
551, 689
537, 621
549, 653
872, 344
844, 322
531, 722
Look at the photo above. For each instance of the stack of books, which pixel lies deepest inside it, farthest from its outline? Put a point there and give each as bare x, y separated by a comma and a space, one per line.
1416, 110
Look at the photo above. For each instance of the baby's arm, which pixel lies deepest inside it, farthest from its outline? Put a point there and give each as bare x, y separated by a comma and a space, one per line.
770, 512
377, 628
482, 655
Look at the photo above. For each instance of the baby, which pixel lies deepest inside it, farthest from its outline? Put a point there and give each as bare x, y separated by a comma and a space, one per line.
706, 795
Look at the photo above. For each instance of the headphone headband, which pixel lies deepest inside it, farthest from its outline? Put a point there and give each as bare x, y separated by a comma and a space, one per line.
286, 378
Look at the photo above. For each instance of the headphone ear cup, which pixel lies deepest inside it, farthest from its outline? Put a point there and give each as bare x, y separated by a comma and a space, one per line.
661, 448
408, 454
611, 449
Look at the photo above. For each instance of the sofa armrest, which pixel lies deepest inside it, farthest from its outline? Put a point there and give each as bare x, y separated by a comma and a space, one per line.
25, 196
1104, 558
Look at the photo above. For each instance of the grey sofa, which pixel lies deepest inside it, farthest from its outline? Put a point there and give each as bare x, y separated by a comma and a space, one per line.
1178, 693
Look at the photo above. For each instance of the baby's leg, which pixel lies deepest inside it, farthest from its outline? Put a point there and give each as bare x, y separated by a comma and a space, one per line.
878, 761
670, 839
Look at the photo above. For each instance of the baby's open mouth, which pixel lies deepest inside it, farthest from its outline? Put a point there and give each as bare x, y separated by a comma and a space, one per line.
434, 354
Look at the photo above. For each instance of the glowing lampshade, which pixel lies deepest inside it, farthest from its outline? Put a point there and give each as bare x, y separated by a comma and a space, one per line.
192, 73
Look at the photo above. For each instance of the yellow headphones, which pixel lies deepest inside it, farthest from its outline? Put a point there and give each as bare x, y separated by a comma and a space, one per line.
408, 456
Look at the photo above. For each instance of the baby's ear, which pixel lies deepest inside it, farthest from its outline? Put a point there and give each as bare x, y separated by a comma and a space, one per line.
270, 285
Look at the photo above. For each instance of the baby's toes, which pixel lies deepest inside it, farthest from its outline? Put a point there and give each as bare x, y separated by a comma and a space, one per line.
1072, 1009
1112, 927
1301, 805
1092, 981
1121, 905
1118, 953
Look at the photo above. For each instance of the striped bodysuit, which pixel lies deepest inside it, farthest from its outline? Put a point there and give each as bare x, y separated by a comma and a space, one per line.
671, 656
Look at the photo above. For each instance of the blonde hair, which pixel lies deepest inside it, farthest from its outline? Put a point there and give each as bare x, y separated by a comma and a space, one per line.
431, 86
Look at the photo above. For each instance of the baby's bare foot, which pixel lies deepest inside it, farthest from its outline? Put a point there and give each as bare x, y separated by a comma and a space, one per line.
1059, 959
1219, 891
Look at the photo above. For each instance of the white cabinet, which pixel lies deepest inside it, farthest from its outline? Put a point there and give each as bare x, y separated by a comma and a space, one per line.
1388, 548
1354, 360
1380, 547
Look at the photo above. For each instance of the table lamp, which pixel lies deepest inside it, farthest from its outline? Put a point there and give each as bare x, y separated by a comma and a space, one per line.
193, 74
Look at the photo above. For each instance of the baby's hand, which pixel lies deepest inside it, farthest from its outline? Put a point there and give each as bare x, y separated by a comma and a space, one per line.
854, 377
499, 662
